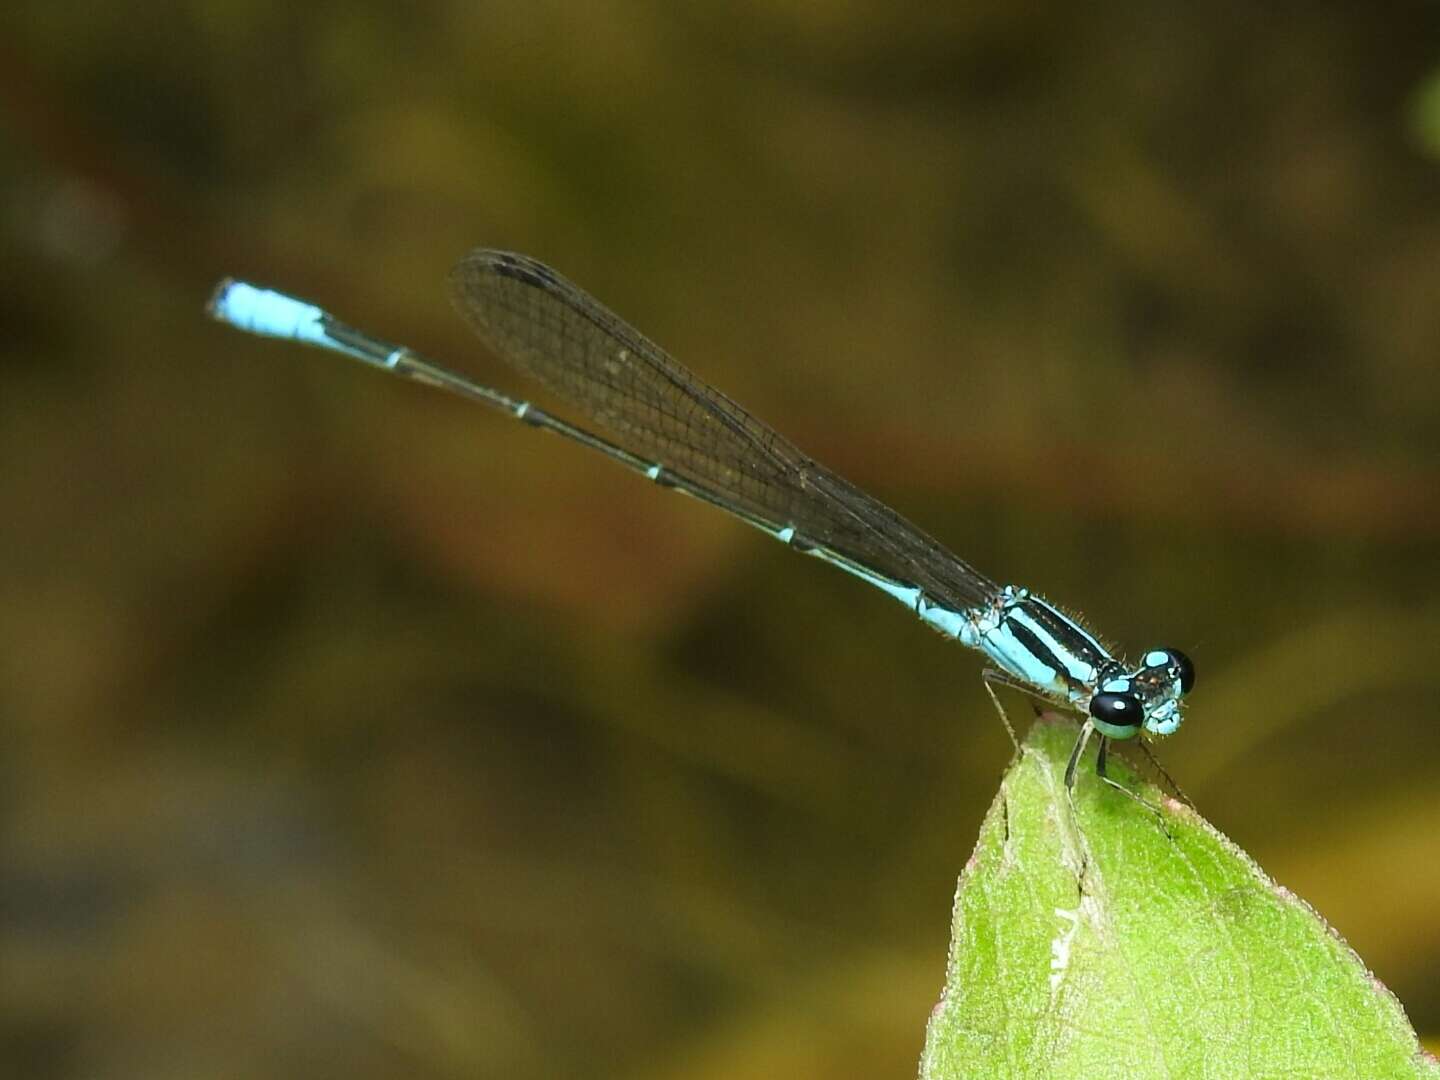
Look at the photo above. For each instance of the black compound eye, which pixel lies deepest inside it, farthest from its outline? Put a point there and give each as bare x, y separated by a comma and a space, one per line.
1184, 669
1117, 710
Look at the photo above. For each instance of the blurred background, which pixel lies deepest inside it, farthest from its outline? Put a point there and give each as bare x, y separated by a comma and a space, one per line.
347, 729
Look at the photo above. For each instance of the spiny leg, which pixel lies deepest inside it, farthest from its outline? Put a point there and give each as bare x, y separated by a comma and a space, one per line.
1100, 766
1169, 780
1085, 730
989, 678
1100, 772
993, 677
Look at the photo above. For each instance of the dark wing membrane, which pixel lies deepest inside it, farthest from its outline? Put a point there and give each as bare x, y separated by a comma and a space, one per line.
654, 407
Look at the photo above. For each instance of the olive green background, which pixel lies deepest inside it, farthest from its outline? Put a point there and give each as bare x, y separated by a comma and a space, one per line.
350, 730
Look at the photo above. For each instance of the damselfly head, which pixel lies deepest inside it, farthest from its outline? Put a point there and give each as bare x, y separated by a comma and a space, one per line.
1149, 698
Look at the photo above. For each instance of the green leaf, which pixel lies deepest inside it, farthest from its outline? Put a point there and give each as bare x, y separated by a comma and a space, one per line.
1102, 938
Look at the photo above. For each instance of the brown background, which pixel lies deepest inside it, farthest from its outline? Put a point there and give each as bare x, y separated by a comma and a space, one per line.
350, 730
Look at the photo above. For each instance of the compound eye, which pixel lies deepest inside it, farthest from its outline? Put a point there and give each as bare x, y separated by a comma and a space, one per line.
1184, 669
1117, 710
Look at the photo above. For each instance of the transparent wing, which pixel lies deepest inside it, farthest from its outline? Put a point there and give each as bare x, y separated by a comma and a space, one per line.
654, 407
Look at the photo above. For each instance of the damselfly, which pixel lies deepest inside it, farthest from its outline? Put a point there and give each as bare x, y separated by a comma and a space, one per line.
678, 431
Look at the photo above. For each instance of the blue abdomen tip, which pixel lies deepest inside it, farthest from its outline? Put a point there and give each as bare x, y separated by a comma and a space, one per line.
265, 311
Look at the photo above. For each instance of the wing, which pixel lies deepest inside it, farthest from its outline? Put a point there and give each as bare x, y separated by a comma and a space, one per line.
654, 407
